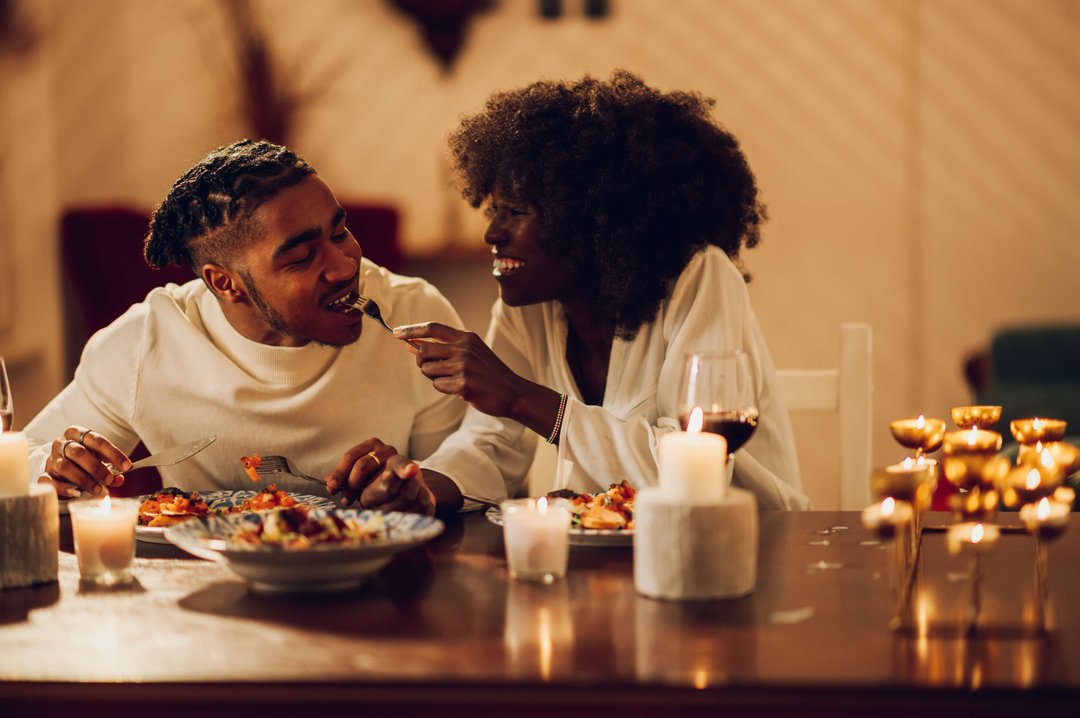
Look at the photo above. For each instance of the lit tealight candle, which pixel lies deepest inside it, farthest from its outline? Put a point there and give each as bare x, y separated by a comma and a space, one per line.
1036, 429
972, 537
1029, 483
104, 533
884, 518
537, 537
1056, 455
692, 463
919, 433
14, 464
1047, 518
910, 480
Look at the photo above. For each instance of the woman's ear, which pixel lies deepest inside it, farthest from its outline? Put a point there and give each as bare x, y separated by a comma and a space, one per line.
225, 283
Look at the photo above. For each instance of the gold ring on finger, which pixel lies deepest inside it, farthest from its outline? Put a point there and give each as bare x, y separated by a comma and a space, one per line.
375, 457
82, 436
63, 449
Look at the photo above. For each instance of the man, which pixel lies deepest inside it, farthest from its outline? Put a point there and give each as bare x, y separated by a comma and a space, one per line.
259, 350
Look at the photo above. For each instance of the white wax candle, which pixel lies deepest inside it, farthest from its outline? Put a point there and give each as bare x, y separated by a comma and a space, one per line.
692, 467
104, 534
537, 537
14, 464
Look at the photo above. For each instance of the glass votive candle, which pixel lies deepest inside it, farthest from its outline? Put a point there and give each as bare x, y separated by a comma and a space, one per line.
537, 537
104, 532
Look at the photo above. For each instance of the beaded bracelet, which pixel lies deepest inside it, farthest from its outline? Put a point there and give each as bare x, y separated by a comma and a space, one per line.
558, 419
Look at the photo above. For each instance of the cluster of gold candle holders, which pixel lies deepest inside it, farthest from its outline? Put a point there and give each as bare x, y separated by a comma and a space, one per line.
971, 462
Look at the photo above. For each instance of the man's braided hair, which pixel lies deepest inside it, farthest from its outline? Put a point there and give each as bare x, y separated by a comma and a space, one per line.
205, 216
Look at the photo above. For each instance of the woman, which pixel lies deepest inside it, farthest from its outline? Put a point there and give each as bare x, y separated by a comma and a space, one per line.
618, 213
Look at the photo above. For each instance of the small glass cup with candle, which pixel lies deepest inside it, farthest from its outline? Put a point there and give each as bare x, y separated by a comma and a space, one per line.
104, 532
979, 416
885, 517
537, 537
911, 480
922, 434
972, 537
1037, 429
1046, 519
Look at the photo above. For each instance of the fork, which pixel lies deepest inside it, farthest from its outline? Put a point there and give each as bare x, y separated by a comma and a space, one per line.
277, 465
369, 307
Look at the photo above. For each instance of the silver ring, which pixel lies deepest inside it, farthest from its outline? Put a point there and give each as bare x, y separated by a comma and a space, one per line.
82, 436
63, 448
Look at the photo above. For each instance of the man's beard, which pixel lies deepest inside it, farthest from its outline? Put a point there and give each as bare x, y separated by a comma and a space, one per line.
273, 318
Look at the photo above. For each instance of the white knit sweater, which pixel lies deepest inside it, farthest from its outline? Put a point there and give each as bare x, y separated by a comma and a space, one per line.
172, 369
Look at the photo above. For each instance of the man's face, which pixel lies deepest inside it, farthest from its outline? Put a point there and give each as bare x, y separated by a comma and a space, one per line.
303, 259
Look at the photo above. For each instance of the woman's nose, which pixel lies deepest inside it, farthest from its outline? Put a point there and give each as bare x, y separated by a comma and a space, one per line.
495, 232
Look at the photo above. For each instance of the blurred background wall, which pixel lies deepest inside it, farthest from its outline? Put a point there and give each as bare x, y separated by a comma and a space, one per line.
920, 158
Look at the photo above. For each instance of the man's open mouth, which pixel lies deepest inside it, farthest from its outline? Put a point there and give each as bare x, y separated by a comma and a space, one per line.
344, 305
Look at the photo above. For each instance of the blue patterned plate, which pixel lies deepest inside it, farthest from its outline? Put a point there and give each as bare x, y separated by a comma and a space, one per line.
322, 567
218, 500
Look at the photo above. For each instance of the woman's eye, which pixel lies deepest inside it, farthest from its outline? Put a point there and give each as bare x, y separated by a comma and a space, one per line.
519, 212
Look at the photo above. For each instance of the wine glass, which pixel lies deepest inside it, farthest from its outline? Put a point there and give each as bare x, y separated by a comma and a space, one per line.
720, 385
7, 404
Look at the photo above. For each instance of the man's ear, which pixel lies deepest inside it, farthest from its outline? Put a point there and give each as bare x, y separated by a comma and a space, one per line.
225, 283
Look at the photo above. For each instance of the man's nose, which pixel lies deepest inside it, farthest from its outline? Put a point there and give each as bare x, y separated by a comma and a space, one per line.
342, 263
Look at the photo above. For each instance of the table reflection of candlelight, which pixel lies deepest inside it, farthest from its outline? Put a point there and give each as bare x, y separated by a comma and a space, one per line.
1047, 519
920, 433
911, 480
971, 537
883, 518
104, 533
980, 417
1036, 429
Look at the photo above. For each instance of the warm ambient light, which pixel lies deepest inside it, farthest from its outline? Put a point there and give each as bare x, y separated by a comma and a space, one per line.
973, 436
1034, 478
1047, 459
920, 423
888, 506
696, 420
1043, 509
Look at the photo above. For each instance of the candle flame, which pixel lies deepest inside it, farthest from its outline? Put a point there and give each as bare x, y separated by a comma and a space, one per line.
1034, 478
888, 506
106, 505
977, 533
1047, 459
908, 463
1042, 511
542, 504
1037, 424
973, 436
696, 421
920, 422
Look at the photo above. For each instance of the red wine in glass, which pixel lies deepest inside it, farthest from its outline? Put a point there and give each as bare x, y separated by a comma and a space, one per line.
719, 385
735, 426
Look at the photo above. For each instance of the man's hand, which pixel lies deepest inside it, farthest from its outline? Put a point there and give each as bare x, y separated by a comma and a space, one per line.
374, 474
77, 461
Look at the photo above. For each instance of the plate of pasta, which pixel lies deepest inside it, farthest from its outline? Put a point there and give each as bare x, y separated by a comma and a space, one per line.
602, 519
304, 548
171, 506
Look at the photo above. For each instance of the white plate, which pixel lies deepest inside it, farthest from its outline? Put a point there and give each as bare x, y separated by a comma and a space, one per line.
582, 537
324, 567
217, 500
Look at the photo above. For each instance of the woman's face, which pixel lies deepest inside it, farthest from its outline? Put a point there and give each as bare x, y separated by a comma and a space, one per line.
525, 272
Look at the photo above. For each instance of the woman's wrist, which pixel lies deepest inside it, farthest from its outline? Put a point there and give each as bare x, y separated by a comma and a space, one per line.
540, 409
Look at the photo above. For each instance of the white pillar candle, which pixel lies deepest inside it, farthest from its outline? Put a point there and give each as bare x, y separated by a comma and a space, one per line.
14, 464
104, 534
537, 537
692, 467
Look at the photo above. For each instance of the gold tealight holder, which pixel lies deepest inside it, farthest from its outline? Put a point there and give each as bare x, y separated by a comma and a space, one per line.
967, 454
1037, 429
978, 417
1055, 454
1029, 484
922, 434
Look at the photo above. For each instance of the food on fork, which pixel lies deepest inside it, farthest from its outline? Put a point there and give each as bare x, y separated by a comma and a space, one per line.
611, 510
251, 466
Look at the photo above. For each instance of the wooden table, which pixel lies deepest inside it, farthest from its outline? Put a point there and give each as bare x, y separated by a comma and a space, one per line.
443, 631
